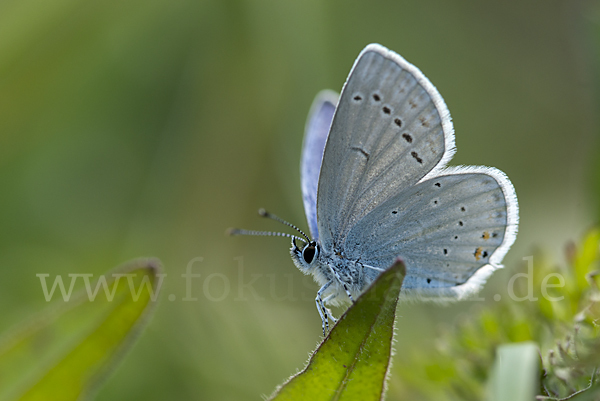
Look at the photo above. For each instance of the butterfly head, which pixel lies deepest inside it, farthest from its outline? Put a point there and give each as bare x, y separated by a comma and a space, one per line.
304, 258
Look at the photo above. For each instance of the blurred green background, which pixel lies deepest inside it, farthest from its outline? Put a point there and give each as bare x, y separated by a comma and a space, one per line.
147, 128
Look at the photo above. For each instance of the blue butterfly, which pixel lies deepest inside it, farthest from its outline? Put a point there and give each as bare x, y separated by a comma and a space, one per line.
376, 188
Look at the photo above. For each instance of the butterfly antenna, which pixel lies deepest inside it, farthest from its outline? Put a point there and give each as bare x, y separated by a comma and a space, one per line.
271, 216
238, 231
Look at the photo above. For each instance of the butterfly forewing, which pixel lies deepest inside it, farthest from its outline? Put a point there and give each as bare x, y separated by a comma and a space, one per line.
391, 128
315, 136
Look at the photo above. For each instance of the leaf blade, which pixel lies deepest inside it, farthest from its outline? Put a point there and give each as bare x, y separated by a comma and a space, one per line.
48, 367
353, 361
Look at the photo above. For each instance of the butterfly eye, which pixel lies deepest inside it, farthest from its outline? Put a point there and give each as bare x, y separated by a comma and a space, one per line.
308, 253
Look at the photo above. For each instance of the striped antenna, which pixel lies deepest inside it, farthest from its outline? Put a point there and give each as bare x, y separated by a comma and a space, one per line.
271, 216
238, 231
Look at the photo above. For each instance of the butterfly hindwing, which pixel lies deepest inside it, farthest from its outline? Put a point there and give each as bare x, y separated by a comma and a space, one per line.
451, 230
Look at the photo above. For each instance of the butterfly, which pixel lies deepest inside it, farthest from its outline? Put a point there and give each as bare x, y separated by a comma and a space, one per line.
376, 188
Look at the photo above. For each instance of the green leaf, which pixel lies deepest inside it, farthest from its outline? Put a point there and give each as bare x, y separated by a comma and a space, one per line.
352, 362
586, 255
66, 351
515, 376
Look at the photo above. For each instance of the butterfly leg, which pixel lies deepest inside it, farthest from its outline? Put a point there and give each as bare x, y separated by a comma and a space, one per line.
329, 298
322, 309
